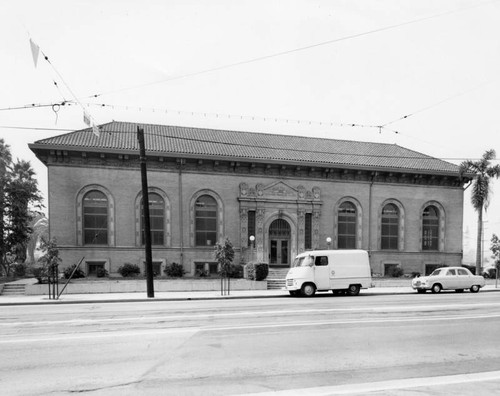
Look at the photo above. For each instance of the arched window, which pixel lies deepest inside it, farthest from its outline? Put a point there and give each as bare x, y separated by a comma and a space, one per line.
390, 227
156, 219
430, 228
205, 221
95, 218
347, 226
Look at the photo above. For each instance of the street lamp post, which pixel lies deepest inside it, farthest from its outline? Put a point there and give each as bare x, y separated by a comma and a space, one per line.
328, 242
252, 242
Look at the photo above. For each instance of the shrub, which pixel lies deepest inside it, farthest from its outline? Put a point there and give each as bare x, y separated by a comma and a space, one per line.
129, 270
257, 271
78, 273
40, 273
471, 268
202, 273
101, 272
490, 273
19, 269
397, 272
174, 270
236, 271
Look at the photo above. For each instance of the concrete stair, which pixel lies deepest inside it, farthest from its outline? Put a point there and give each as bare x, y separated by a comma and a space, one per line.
13, 289
276, 278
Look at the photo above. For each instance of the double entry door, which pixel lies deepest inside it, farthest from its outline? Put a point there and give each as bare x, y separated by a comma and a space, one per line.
279, 252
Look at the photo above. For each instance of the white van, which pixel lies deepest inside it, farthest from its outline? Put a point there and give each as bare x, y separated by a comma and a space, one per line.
323, 270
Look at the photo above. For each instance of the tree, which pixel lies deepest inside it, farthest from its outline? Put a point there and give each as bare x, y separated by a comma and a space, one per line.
495, 249
224, 254
481, 191
5, 161
18, 193
40, 227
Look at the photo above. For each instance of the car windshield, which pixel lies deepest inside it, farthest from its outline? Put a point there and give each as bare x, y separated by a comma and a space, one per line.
304, 261
437, 272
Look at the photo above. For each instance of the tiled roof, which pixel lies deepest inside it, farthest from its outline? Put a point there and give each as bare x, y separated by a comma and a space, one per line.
233, 145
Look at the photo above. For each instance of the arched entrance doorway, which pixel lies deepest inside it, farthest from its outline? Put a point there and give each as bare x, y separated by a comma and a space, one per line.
279, 243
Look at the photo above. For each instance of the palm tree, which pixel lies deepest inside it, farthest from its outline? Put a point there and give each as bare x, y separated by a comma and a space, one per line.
481, 191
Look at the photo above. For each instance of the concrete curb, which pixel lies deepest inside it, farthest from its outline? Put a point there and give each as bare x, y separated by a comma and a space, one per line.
84, 299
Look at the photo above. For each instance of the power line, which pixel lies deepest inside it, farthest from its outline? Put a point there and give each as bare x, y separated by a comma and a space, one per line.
456, 95
37, 128
255, 146
287, 52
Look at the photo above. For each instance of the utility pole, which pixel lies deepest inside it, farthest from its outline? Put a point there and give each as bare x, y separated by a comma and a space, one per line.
145, 209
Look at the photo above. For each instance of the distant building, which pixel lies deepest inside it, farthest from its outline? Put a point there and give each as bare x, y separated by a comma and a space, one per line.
291, 193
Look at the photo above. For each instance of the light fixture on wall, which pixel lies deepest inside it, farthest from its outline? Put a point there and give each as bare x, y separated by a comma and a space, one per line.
328, 242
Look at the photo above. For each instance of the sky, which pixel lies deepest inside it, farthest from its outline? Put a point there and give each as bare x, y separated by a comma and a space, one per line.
425, 70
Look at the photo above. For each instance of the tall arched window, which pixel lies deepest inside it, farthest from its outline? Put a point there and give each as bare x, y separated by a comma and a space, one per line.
205, 221
156, 218
95, 218
430, 228
347, 226
390, 227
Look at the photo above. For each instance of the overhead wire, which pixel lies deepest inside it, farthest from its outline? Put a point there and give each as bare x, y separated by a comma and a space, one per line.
239, 144
287, 52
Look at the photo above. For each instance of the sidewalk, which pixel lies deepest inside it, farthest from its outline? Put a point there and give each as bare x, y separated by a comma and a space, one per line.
192, 295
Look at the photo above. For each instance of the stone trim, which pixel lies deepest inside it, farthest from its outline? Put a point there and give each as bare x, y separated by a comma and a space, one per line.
359, 221
220, 215
79, 213
442, 226
401, 229
167, 232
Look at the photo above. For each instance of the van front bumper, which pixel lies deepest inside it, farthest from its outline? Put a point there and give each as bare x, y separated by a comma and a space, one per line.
293, 284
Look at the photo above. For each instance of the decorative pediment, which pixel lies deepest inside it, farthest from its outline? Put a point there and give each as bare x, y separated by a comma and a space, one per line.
278, 190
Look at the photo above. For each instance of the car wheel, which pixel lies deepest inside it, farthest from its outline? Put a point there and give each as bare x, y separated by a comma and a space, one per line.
308, 290
421, 291
436, 288
353, 290
474, 288
459, 290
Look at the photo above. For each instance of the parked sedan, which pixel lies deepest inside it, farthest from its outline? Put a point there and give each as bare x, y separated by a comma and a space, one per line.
448, 278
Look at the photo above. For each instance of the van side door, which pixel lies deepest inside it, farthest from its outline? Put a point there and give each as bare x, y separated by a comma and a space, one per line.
321, 273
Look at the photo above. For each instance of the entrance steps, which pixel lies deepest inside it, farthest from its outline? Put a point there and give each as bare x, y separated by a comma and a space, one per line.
276, 278
13, 289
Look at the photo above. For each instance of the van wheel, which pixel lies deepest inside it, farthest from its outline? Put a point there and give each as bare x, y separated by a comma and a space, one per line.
308, 290
474, 288
353, 290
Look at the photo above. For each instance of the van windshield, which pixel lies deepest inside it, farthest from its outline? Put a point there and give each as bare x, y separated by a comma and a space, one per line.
304, 261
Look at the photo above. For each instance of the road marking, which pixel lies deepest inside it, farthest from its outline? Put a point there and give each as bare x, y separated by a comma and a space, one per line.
120, 333
417, 308
353, 321
100, 334
381, 386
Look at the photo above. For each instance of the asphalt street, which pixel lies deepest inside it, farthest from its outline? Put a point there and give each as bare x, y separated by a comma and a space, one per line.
386, 344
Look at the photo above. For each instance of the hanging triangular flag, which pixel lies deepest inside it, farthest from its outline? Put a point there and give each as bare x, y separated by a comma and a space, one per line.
86, 118
95, 130
35, 49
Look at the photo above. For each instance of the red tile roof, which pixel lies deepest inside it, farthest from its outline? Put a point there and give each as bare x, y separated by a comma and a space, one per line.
258, 147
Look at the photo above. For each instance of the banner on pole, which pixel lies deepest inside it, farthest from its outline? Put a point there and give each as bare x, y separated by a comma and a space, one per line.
35, 50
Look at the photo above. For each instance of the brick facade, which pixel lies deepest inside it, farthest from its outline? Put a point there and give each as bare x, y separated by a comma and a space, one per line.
280, 198
311, 181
